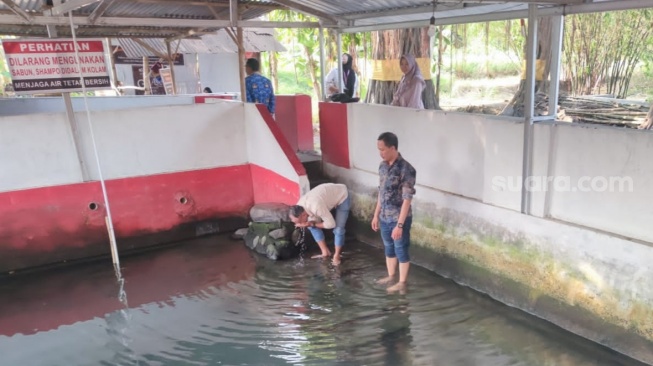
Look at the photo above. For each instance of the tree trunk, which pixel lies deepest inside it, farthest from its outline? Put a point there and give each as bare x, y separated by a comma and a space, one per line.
390, 45
516, 106
648, 122
312, 67
274, 72
507, 36
440, 53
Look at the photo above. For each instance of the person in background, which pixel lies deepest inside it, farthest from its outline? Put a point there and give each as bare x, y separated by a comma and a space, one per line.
393, 213
207, 90
412, 84
257, 87
155, 72
349, 78
313, 210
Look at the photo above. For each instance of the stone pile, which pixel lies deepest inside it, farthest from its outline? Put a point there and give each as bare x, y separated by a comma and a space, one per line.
271, 233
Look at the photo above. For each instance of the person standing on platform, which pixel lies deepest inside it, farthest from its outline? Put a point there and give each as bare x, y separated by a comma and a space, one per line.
412, 84
258, 88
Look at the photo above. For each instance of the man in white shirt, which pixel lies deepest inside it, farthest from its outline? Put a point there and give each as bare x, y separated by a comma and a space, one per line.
313, 211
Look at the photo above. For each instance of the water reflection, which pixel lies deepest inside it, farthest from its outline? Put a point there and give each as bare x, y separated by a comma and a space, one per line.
213, 301
396, 337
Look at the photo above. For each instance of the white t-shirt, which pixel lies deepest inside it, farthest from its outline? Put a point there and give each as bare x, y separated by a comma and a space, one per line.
332, 80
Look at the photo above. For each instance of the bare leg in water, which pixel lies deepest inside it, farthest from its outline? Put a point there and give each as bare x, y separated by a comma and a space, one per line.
336, 257
403, 276
391, 263
326, 253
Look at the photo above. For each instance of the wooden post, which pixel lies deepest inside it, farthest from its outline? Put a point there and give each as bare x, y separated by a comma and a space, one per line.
171, 62
241, 63
113, 63
146, 76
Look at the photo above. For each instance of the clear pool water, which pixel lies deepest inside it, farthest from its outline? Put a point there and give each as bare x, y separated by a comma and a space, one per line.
213, 302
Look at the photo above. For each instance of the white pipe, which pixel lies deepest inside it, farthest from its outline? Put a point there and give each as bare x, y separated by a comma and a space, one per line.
558, 23
529, 109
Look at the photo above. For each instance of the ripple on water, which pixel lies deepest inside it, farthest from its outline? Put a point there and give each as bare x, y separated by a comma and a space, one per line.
214, 302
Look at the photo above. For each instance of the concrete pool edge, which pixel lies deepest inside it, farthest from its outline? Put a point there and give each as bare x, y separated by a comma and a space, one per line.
501, 287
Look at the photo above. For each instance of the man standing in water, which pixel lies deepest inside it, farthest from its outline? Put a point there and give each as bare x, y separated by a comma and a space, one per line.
393, 213
314, 212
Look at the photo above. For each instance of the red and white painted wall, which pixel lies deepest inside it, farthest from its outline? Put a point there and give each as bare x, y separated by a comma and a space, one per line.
175, 171
583, 258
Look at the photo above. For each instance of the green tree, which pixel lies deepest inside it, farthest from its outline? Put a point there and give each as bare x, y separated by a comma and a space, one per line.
596, 57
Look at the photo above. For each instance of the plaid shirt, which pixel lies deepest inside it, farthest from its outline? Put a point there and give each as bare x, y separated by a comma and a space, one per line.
396, 184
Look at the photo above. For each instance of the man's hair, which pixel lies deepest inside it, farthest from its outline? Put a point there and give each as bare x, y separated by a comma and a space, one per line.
253, 64
296, 210
389, 139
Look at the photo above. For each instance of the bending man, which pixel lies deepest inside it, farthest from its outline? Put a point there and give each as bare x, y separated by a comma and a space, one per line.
314, 212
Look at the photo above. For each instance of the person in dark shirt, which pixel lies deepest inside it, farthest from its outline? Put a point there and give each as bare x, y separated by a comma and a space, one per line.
393, 213
258, 87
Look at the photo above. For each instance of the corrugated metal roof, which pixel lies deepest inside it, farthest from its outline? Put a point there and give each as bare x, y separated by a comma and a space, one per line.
443, 14
254, 40
171, 18
340, 8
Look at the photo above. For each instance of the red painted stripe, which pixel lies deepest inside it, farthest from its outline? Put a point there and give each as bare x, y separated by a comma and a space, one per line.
199, 99
52, 224
334, 134
271, 187
281, 140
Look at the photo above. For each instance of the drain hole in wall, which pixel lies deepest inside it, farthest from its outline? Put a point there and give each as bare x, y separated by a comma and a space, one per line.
93, 206
183, 200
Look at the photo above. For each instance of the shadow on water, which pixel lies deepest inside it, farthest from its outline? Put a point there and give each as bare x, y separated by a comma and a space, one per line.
211, 301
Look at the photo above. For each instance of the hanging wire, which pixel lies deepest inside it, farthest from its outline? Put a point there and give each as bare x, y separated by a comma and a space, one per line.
108, 219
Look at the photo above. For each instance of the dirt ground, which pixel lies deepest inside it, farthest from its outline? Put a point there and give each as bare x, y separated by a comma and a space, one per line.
490, 96
487, 96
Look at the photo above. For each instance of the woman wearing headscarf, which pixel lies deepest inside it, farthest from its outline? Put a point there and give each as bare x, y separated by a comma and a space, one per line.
410, 88
349, 78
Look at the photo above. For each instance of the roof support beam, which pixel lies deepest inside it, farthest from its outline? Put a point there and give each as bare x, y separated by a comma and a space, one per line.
402, 11
581, 8
149, 48
442, 7
71, 5
214, 12
191, 33
233, 12
99, 10
202, 3
154, 22
17, 10
295, 5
